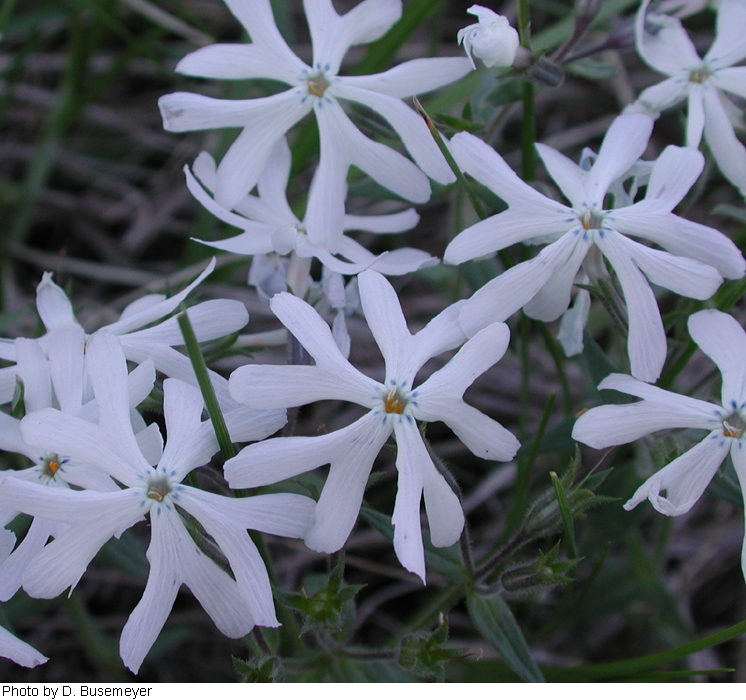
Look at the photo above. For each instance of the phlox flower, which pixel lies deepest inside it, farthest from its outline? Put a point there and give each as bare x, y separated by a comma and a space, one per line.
395, 405
492, 39
270, 226
60, 382
234, 604
694, 263
320, 89
142, 338
704, 83
685, 479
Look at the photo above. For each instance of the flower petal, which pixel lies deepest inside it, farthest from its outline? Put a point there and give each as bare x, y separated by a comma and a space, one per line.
728, 151
265, 121
270, 386
681, 275
412, 77
332, 35
731, 80
243, 62
695, 119
564, 257
33, 371
19, 652
387, 167
483, 163
62, 562
729, 46
624, 143
152, 312
723, 340
258, 20
244, 558
504, 229
673, 174
66, 366
53, 305
342, 495
409, 125
685, 479
657, 98
502, 296
663, 43
680, 236
646, 343
567, 174
412, 460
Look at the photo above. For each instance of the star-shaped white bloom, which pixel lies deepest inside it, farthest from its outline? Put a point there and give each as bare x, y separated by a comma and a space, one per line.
703, 82
318, 88
395, 407
685, 479
492, 39
269, 224
698, 257
235, 605
60, 381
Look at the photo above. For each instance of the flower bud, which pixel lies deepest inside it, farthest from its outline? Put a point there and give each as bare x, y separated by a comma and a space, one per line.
492, 39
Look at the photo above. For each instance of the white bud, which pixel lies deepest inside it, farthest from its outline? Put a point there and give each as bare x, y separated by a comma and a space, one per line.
493, 39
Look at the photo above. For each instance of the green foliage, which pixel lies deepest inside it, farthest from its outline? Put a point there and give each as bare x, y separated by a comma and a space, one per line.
425, 653
261, 669
326, 602
494, 620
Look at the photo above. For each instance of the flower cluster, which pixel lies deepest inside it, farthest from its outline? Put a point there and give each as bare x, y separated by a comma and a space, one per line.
97, 468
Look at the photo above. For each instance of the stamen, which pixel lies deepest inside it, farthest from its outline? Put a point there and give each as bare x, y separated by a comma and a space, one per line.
394, 403
734, 426
159, 488
586, 220
731, 431
51, 465
317, 84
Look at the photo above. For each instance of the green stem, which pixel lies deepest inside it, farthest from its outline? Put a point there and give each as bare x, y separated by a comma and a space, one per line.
205, 385
478, 208
528, 125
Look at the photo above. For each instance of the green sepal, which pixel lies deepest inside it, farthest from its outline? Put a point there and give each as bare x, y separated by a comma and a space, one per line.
425, 653
262, 669
326, 601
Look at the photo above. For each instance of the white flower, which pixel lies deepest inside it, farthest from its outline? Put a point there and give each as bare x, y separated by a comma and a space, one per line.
685, 479
318, 88
395, 407
698, 257
93, 517
269, 224
60, 381
141, 340
492, 39
665, 46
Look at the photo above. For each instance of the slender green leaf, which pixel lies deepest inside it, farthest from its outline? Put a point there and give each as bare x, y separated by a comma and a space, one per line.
494, 619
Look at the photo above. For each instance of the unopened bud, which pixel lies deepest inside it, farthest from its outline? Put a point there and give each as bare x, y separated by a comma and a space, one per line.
492, 39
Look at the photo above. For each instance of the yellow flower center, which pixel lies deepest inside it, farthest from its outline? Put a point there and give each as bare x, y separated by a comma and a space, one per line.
317, 84
591, 220
734, 426
394, 402
159, 488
